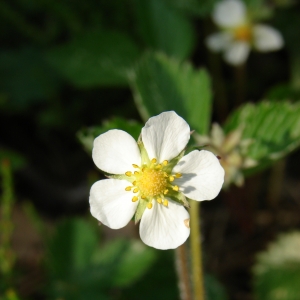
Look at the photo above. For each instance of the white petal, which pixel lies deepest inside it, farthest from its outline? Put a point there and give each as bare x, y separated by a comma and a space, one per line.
115, 151
202, 175
165, 136
237, 53
266, 38
164, 227
111, 204
229, 13
218, 41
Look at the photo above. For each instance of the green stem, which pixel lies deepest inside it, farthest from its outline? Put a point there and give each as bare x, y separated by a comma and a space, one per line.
6, 224
196, 253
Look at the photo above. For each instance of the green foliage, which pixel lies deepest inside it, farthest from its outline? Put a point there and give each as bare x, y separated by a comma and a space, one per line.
26, 78
283, 92
72, 247
274, 128
201, 8
97, 58
214, 289
160, 36
277, 270
161, 83
80, 269
87, 135
16, 159
130, 260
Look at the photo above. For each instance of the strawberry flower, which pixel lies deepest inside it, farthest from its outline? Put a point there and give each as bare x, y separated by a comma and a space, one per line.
239, 34
151, 179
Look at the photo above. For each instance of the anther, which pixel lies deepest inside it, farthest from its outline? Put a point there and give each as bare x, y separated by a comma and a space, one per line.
178, 175
149, 205
159, 200
136, 173
128, 188
176, 188
134, 183
165, 162
154, 160
143, 197
159, 166
135, 166
165, 203
166, 191
135, 190
171, 178
135, 198
128, 173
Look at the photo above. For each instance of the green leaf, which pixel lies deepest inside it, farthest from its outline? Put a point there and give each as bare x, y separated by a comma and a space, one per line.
201, 8
87, 135
283, 92
273, 126
71, 247
213, 288
26, 78
165, 29
160, 84
95, 59
129, 260
134, 264
277, 270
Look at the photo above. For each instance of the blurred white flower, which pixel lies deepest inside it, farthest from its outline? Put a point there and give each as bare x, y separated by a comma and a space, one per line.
232, 151
283, 251
239, 34
153, 180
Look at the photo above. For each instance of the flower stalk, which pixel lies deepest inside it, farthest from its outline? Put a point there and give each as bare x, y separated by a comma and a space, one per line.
182, 269
196, 252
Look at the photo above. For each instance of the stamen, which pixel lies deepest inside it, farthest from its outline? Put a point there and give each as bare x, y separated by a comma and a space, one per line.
171, 178
159, 200
178, 175
134, 183
128, 188
135, 198
176, 188
143, 197
165, 162
149, 205
165, 203
154, 160
159, 166
128, 173
135, 190
166, 191
166, 174
136, 173
135, 166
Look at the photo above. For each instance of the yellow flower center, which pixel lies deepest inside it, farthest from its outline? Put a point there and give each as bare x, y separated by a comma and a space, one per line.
243, 33
152, 181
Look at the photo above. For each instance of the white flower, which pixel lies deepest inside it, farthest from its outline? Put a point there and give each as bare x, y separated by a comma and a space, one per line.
238, 33
153, 180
